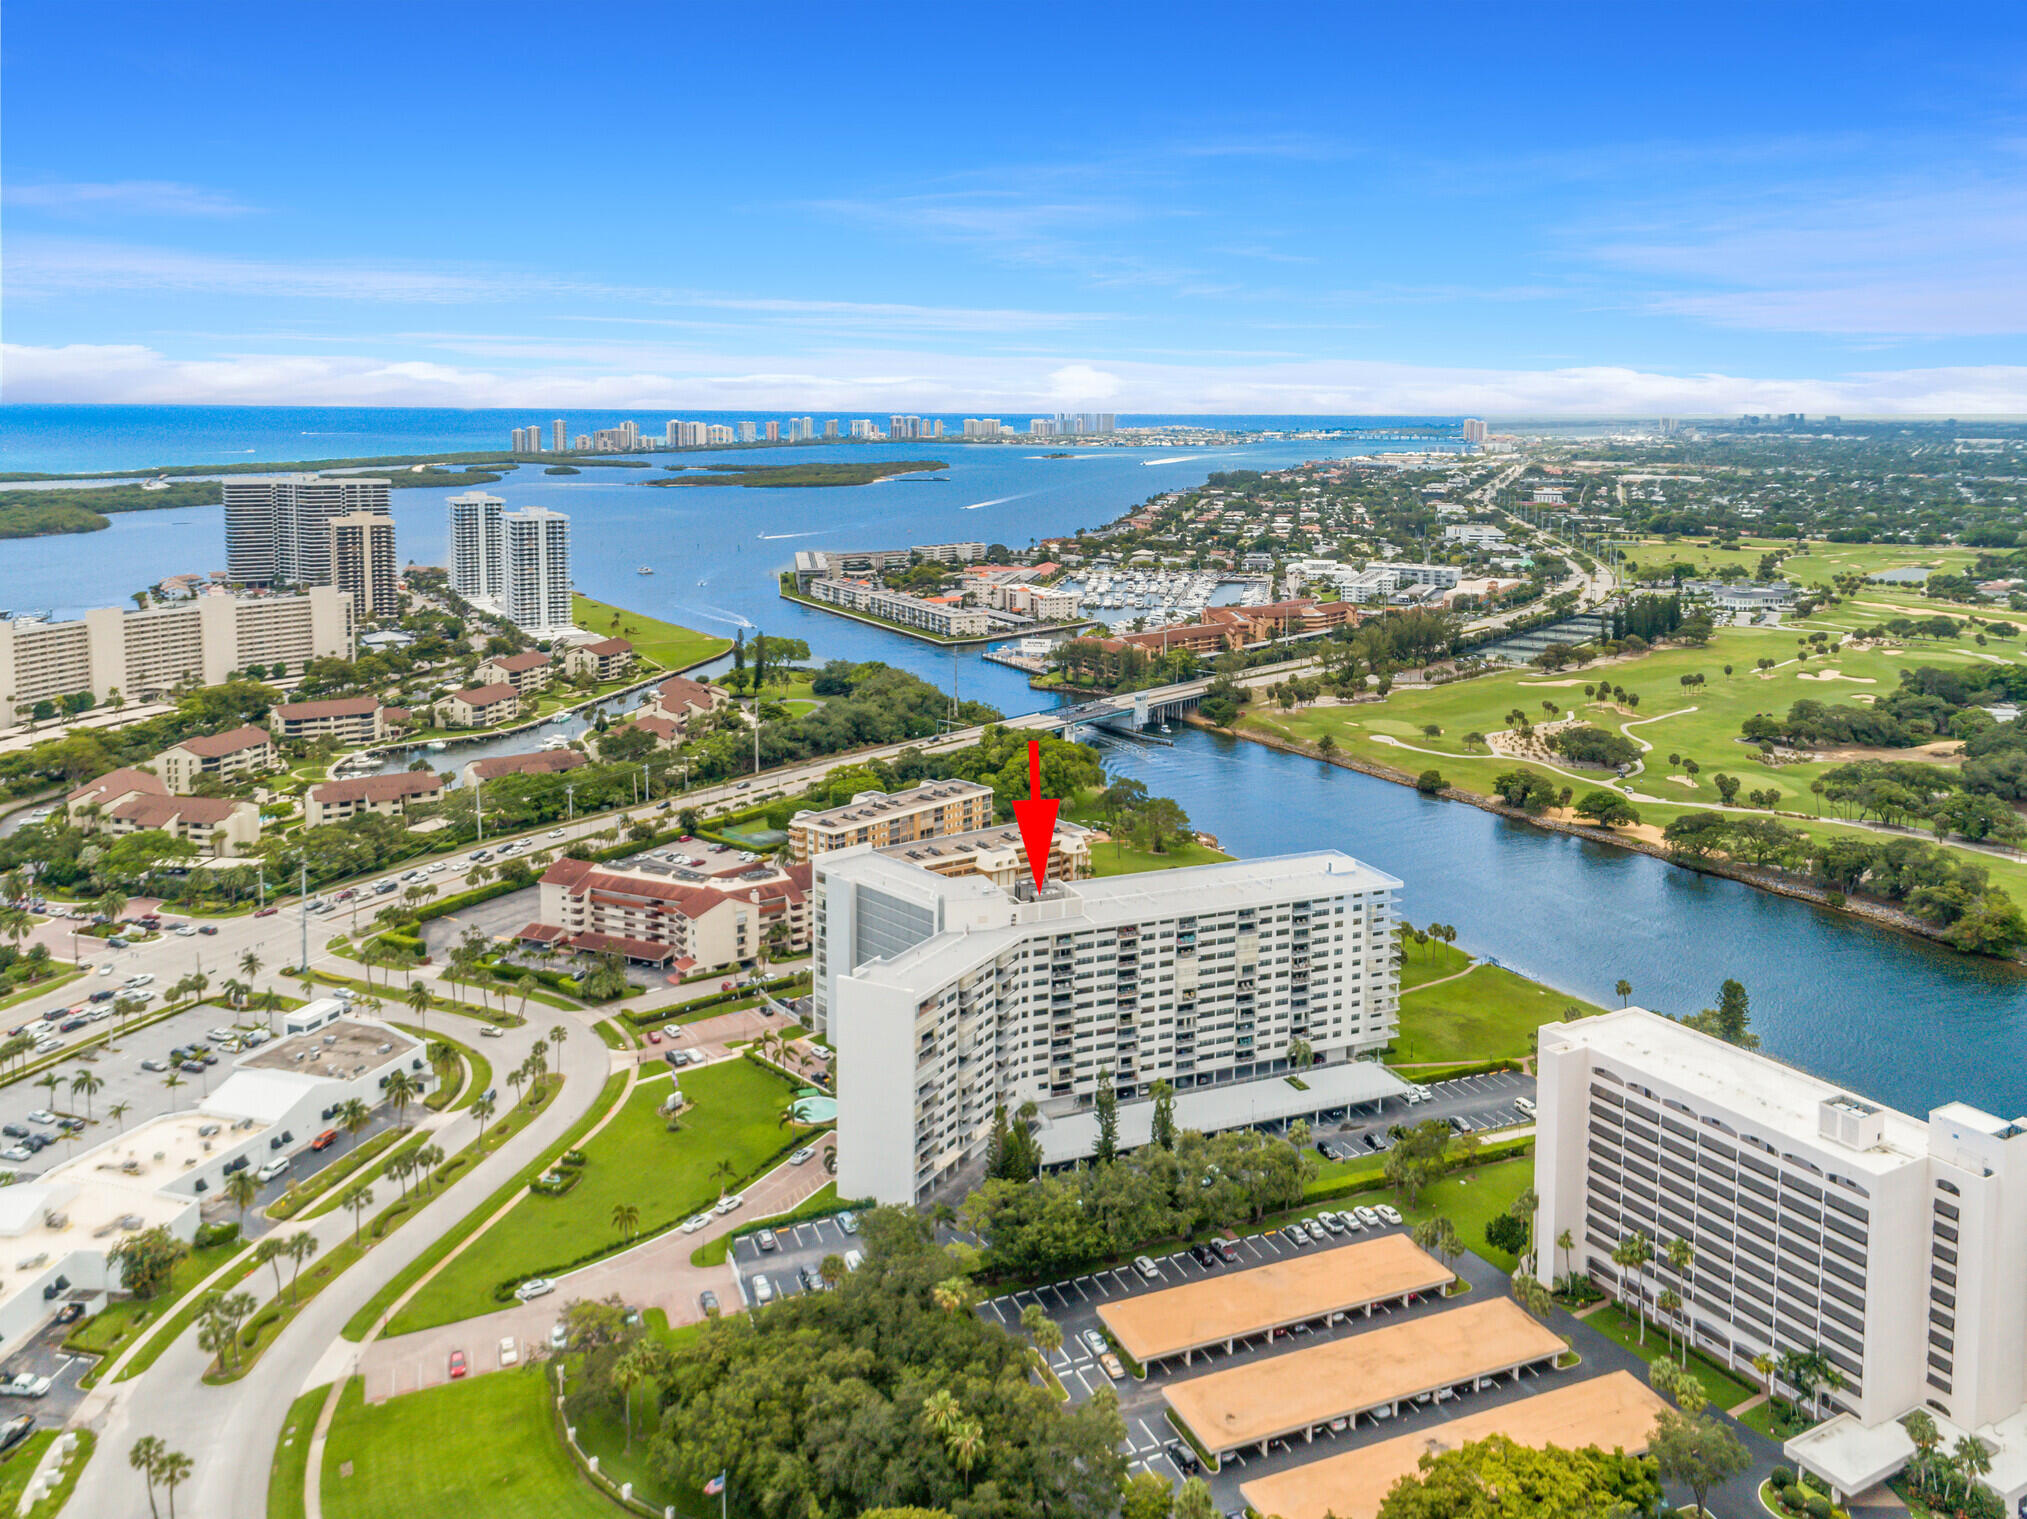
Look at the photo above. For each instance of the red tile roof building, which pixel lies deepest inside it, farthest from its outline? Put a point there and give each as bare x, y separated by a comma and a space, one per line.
336, 801
656, 916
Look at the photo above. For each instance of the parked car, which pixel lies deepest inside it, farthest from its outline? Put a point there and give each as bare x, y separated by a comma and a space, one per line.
70, 1313
1388, 1212
1095, 1342
13, 1130
763, 1290
707, 1300
491, 1031
695, 1222
654, 1036
1113, 1367
25, 1385
766, 1241
802, 1155
1524, 1105
1295, 1233
510, 1352
272, 1169
17, 1153
853, 1260
1144, 1264
727, 1203
1228, 1250
559, 1336
1367, 1216
457, 1364
849, 1222
325, 1140
534, 1287
42, 1116
14, 1431
1184, 1458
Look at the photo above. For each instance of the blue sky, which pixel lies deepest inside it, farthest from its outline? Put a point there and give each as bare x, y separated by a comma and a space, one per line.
1510, 210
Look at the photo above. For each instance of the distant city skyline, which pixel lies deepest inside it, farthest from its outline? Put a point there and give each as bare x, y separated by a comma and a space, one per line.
1777, 209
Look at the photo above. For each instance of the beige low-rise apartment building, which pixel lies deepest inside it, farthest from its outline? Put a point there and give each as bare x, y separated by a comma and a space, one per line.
680, 699
541, 762
527, 672
480, 707
343, 720
224, 757
608, 659
145, 653
932, 809
130, 801
664, 915
390, 795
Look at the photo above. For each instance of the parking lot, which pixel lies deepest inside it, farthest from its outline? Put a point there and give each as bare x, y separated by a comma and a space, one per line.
1477, 1102
799, 1247
119, 1066
44, 1356
1073, 1304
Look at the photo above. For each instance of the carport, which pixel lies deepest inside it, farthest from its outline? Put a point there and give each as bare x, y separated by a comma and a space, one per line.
1425, 1359
1613, 1412
1222, 1310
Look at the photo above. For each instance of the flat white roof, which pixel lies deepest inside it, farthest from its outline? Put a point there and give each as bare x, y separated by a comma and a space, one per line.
1850, 1454
1770, 1098
1236, 1105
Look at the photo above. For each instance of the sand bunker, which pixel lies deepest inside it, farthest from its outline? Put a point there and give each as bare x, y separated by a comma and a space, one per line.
1862, 680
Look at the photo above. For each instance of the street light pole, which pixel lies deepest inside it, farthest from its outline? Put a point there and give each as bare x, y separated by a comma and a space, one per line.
304, 909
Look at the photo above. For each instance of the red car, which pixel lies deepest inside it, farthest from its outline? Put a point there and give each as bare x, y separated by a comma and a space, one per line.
654, 1036
266, 912
457, 1364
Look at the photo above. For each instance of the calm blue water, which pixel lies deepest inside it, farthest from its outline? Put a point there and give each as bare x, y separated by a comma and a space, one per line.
715, 550
1891, 1016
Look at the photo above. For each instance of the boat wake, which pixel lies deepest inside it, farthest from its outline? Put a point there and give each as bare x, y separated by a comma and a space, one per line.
997, 501
813, 533
718, 614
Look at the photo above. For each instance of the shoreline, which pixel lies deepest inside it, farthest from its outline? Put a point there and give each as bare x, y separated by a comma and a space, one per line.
1876, 913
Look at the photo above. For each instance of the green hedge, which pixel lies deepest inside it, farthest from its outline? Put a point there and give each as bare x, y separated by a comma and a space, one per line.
642, 1017
1437, 1073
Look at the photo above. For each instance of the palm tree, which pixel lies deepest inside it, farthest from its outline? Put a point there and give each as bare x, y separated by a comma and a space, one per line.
831, 1269
952, 1294
85, 1083
52, 1083
358, 1197
172, 1471
635, 1366
302, 1245
1565, 1242
557, 1034
172, 1081
354, 1115
1668, 1305
1624, 989
241, 1190
401, 1091
941, 1412
249, 965
1681, 1257
1631, 1256
723, 1173
518, 1077
626, 1219
1532, 1295
111, 903
271, 1251
482, 1109
236, 991
418, 1000
1970, 1457
1766, 1365
145, 1456
118, 1114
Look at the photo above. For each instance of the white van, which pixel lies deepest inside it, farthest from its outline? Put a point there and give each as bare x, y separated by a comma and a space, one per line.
272, 1169
1524, 1105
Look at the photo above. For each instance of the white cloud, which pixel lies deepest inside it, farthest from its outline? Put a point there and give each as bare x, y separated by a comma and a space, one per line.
136, 197
873, 380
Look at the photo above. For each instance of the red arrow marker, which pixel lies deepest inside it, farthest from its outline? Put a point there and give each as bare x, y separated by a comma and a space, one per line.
1037, 816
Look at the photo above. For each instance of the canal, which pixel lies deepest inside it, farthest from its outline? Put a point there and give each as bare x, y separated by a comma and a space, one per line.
1894, 1018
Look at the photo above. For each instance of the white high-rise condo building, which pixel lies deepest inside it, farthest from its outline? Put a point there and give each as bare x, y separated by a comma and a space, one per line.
748, 433
477, 571
278, 527
557, 435
363, 563
537, 558
1474, 430
1897, 1247
949, 997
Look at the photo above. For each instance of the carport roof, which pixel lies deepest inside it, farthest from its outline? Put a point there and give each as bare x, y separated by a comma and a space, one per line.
1614, 1411
1280, 1395
1214, 1309
1213, 1110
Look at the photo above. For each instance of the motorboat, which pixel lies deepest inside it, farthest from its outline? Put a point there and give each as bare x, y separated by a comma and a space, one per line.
646, 569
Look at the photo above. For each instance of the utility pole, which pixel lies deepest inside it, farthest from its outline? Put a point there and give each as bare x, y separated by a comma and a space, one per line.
479, 805
304, 908
570, 801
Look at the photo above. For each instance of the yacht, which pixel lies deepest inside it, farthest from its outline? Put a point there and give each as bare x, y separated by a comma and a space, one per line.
436, 746
646, 569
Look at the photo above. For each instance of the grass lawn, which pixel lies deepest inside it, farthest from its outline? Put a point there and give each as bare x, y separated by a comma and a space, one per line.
19, 1466
491, 1446
1700, 722
1487, 1015
1430, 962
732, 1115
292, 1456
672, 647
114, 1327
1723, 1389
481, 1069
1124, 860
1472, 1198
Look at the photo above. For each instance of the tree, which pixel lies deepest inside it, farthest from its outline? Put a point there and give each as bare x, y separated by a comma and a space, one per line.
1624, 989
354, 1115
401, 1091
172, 1471
1496, 1477
302, 1245
1631, 1256
1194, 1501
1108, 1120
145, 1456
418, 1000
482, 1110
1438, 1236
1532, 1295
1681, 1256
271, 1251
1730, 1020
1698, 1451
358, 1197
1147, 1496
118, 1112
241, 1190
1505, 1232
1164, 1114
146, 1259
626, 1219
1607, 808
85, 1083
